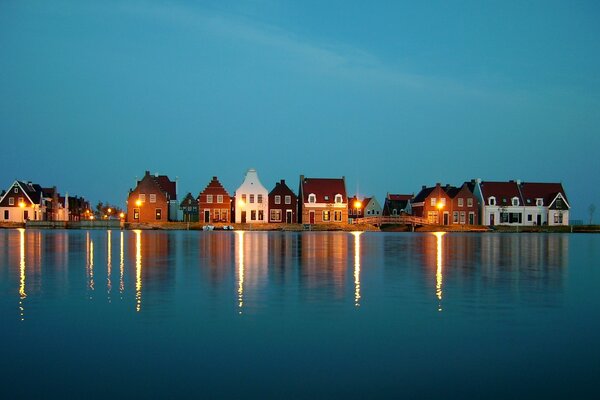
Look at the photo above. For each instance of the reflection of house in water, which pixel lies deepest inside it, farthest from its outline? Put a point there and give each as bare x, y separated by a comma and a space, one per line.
324, 263
251, 262
216, 251
283, 255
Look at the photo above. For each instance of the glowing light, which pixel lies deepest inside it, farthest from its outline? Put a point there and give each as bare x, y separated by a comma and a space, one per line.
90, 263
122, 215
138, 270
108, 263
440, 205
357, 268
122, 267
109, 210
439, 276
22, 205
357, 204
240, 237
22, 293
241, 203
138, 203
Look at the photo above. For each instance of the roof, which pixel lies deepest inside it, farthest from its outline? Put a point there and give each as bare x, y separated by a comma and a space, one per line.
282, 188
547, 191
214, 187
502, 191
33, 191
322, 187
399, 197
423, 194
167, 186
188, 200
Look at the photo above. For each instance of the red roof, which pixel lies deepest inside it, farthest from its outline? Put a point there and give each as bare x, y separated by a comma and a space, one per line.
167, 185
400, 197
547, 191
323, 187
502, 191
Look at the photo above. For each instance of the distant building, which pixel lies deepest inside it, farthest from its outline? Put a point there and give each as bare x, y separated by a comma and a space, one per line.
214, 203
154, 199
371, 207
447, 205
397, 204
283, 204
252, 202
189, 208
323, 200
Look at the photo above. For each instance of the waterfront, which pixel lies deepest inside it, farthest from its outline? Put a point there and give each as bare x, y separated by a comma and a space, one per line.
285, 314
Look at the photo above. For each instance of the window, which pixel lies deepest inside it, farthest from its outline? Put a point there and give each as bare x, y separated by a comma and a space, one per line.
492, 201
460, 202
259, 199
326, 198
559, 204
515, 218
338, 199
275, 215
470, 202
142, 197
251, 198
433, 201
277, 199
20, 200
312, 198
158, 214
443, 201
217, 215
558, 218
16, 190
455, 217
529, 217
209, 198
219, 198
136, 213
152, 198
462, 217
337, 216
515, 201
394, 212
26, 215
11, 201
243, 198
326, 216
224, 215
504, 217
288, 199
261, 215
6, 214
253, 215
539, 202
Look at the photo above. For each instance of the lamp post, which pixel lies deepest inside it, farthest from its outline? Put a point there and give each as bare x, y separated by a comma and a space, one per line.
357, 207
138, 203
440, 207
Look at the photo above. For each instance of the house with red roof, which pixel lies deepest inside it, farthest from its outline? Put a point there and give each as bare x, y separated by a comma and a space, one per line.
214, 203
322, 200
522, 203
433, 203
397, 204
283, 204
154, 199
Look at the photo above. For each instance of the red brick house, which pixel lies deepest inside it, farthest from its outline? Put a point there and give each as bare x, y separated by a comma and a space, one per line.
447, 205
154, 199
322, 200
283, 204
214, 203
464, 207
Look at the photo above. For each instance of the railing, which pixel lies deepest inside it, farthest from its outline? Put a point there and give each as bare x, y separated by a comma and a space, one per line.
393, 220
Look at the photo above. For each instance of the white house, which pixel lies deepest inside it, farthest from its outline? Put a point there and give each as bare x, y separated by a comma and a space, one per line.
21, 202
252, 200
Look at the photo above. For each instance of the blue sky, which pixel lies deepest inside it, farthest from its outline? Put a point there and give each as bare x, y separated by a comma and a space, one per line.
391, 95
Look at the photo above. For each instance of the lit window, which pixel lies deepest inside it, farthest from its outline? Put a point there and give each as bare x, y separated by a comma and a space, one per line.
158, 214
219, 198
276, 215
224, 215
217, 215
152, 198
288, 199
326, 198
277, 199
433, 201
338, 198
142, 197
11, 201
20, 200
136, 213
326, 216
209, 198
312, 198
443, 201
460, 202
244, 198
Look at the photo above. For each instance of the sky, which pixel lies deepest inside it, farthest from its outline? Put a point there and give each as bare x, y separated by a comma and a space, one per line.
392, 95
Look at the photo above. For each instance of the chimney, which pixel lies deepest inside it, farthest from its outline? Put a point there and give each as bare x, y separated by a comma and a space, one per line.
282, 182
214, 178
423, 187
156, 174
147, 173
518, 181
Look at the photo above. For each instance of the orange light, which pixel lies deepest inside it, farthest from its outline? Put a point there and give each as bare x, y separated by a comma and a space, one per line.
138, 203
241, 203
91, 217
122, 215
357, 204
109, 210
22, 205
440, 205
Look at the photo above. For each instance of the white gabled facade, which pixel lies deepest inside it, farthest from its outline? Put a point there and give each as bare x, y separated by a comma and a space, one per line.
17, 205
252, 200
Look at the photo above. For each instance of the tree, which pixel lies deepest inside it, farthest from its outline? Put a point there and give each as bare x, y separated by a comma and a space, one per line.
591, 210
107, 210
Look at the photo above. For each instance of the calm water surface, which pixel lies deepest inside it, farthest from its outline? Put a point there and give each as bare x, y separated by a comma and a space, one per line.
97, 314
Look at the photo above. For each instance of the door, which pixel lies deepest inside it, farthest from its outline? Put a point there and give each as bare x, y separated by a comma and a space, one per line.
539, 219
243, 217
288, 216
446, 218
492, 219
206, 216
311, 217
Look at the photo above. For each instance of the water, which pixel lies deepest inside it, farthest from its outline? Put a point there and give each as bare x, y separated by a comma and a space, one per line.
97, 314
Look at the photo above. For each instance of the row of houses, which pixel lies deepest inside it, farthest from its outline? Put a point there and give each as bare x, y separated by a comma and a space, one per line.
26, 201
325, 201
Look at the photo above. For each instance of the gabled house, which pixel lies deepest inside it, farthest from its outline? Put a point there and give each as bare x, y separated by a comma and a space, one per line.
252, 200
189, 208
501, 202
283, 204
21, 202
397, 204
154, 199
355, 208
432, 203
545, 204
323, 200
371, 207
214, 203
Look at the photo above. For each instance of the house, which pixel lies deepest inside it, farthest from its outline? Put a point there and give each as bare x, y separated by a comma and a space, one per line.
323, 200
355, 208
78, 207
371, 207
252, 200
464, 206
154, 199
283, 204
545, 204
214, 203
22, 201
433, 204
397, 204
189, 208
522, 203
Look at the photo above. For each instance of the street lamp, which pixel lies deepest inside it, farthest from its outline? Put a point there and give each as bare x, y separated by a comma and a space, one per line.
357, 207
440, 206
138, 203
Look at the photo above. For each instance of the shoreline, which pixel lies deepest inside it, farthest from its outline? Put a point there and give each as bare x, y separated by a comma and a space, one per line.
197, 226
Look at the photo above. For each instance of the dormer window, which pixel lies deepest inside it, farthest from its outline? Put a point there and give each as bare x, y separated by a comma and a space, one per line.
515, 201
326, 198
492, 201
338, 199
539, 202
394, 212
312, 198
16, 189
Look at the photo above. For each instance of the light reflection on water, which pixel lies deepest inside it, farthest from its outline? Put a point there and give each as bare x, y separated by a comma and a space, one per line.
384, 291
